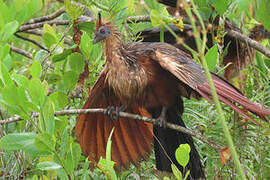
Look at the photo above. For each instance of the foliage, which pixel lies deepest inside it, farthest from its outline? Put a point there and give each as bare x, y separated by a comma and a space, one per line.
46, 148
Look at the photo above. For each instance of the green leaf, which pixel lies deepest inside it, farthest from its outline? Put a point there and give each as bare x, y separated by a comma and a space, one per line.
212, 57
4, 75
59, 99
47, 116
21, 80
106, 165
182, 154
36, 69
263, 13
48, 39
36, 91
9, 29
76, 62
62, 56
72, 10
176, 172
86, 45
44, 142
70, 79
155, 18
4, 51
16, 141
221, 6
47, 165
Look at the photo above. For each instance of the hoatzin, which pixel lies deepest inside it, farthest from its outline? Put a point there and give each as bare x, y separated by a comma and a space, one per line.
148, 76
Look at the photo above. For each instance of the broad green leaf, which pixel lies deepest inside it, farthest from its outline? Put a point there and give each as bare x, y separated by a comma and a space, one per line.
4, 50
36, 69
21, 80
86, 45
36, 91
72, 10
49, 39
176, 172
64, 142
4, 75
70, 79
47, 115
263, 13
182, 154
9, 29
44, 142
59, 99
76, 62
49, 29
221, 6
212, 57
47, 165
16, 141
21, 141
62, 56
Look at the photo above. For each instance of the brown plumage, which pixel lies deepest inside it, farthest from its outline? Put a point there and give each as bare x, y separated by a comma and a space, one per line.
152, 76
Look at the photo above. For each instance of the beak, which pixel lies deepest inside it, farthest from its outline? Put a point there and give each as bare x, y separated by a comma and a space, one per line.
97, 38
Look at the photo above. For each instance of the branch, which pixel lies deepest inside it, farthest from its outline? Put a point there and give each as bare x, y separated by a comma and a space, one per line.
41, 24
47, 17
124, 115
249, 41
21, 51
38, 32
252, 43
32, 41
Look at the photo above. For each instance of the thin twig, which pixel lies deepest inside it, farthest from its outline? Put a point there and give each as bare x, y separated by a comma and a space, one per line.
41, 24
47, 17
21, 51
39, 32
124, 115
249, 41
232, 33
32, 41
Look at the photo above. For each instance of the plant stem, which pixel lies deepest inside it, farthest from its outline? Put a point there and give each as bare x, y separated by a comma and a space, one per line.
214, 93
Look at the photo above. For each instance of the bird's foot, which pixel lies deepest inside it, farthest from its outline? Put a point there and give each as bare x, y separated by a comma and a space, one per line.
113, 111
161, 121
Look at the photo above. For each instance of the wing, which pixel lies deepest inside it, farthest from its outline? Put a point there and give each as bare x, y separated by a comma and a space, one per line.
131, 140
188, 72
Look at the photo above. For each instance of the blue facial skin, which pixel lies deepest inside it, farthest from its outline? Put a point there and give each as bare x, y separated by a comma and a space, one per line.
101, 34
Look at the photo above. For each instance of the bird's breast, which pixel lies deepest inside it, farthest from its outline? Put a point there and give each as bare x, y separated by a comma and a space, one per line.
128, 82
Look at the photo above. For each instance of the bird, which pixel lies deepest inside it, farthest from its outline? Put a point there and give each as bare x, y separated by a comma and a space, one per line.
148, 79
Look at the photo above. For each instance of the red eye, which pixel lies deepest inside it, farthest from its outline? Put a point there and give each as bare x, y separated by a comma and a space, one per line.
102, 31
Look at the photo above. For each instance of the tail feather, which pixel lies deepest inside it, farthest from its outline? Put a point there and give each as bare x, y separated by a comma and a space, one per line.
131, 140
228, 95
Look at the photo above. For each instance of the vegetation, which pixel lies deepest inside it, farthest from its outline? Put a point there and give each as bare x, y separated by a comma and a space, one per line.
41, 72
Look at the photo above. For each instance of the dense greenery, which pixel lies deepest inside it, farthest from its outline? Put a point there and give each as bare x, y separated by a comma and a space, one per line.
45, 79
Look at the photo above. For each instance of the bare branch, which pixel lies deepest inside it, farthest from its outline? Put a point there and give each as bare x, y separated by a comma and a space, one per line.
39, 32
124, 115
32, 41
134, 19
249, 41
21, 51
41, 24
252, 43
47, 17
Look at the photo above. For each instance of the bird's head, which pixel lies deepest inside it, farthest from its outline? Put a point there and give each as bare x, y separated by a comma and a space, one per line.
103, 30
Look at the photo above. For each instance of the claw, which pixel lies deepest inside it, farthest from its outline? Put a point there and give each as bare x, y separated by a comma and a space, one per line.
161, 120
113, 112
